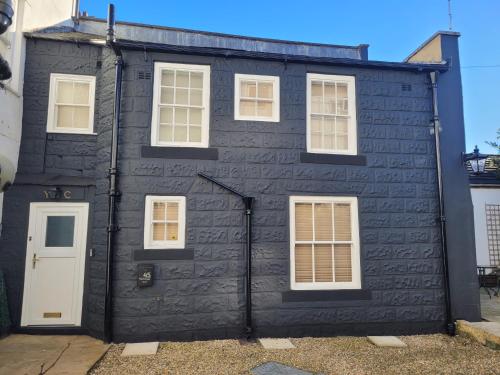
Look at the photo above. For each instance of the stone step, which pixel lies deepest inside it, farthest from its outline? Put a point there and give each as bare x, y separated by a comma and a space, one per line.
487, 333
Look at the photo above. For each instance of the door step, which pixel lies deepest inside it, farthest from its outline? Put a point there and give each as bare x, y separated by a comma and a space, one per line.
487, 333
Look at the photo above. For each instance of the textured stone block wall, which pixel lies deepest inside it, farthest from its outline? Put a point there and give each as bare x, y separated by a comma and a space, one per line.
400, 253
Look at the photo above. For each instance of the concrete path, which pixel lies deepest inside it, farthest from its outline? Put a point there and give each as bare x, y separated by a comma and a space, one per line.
490, 307
25, 354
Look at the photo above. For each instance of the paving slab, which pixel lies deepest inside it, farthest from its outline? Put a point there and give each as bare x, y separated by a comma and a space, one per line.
140, 348
487, 333
28, 354
275, 368
273, 344
386, 341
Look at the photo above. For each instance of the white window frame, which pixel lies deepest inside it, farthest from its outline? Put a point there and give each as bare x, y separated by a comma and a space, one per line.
355, 253
149, 243
275, 80
352, 147
51, 113
205, 113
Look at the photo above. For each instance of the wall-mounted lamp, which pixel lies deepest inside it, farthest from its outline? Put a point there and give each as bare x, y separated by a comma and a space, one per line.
476, 160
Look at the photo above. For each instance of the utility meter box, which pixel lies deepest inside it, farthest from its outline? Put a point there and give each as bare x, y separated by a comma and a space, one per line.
145, 273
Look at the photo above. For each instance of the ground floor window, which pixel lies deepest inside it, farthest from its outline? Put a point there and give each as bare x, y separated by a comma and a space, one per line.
324, 243
165, 222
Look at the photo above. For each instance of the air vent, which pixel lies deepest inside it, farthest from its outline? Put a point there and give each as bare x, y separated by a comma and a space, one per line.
405, 87
141, 74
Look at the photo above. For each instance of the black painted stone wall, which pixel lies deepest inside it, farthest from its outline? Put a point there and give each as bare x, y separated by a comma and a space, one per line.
203, 297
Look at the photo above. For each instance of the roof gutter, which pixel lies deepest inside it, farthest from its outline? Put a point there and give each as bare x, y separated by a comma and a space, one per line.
223, 52
113, 173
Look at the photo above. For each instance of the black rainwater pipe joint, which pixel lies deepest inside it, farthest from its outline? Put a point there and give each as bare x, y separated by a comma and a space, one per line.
248, 202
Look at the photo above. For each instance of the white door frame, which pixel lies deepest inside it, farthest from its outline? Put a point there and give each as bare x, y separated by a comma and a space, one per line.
80, 235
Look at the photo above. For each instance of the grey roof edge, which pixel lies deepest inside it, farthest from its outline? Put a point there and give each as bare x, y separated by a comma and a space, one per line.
170, 28
224, 52
170, 35
428, 40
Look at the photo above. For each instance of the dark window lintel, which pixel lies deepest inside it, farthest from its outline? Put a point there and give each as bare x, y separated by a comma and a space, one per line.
164, 254
196, 153
325, 295
309, 157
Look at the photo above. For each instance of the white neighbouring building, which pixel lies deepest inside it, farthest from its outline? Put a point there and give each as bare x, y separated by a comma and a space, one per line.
485, 192
29, 15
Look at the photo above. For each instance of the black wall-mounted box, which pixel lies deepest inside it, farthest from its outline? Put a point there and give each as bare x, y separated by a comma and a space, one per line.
145, 275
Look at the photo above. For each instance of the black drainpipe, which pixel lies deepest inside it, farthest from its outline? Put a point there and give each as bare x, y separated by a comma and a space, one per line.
450, 324
248, 201
113, 172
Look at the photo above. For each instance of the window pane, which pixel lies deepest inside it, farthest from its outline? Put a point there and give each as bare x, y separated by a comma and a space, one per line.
182, 79
181, 116
60, 231
323, 222
248, 89
167, 77
64, 92
81, 93
172, 231
342, 101
248, 108
303, 222
167, 96
303, 264
64, 116
342, 214
323, 263
316, 124
265, 90
180, 133
158, 211
172, 211
165, 134
329, 125
196, 80
166, 115
181, 96
264, 109
159, 231
329, 142
195, 116
81, 117
343, 266
317, 97
196, 97
194, 134
316, 140
330, 97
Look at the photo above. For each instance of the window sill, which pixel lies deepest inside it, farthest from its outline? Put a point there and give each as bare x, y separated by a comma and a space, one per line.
309, 157
164, 254
325, 295
197, 153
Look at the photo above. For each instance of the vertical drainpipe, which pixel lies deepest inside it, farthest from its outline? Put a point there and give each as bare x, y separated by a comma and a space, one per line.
113, 172
450, 325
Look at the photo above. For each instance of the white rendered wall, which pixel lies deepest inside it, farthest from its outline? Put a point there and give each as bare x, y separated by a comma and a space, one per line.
481, 197
28, 16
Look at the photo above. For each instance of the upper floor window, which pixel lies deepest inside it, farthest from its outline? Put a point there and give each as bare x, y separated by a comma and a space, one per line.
331, 114
324, 243
257, 98
165, 222
71, 104
181, 105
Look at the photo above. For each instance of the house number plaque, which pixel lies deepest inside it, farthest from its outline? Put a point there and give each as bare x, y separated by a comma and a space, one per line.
145, 275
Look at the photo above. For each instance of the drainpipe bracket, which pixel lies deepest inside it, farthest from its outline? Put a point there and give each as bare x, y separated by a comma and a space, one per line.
113, 228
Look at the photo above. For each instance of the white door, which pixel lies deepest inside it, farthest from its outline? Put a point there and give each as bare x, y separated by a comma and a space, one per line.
55, 263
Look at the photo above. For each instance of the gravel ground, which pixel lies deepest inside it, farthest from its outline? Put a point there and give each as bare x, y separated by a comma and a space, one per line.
426, 354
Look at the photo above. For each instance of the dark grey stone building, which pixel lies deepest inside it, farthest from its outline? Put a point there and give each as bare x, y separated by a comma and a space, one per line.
336, 150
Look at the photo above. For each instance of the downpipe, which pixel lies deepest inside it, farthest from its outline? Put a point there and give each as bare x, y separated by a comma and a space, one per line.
113, 174
450, 324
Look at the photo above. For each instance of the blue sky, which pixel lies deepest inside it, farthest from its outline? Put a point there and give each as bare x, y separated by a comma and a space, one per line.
393, 28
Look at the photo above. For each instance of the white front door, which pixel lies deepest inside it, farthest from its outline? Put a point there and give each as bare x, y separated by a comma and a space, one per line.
55, 263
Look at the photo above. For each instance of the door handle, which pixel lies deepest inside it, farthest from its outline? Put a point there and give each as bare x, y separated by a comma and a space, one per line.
34, 260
